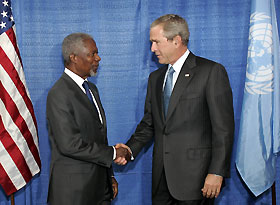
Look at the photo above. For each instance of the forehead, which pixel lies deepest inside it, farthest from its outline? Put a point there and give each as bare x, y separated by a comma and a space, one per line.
90, 45
156, 33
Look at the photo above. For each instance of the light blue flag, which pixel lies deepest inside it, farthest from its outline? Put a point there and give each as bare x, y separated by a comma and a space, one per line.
259, 134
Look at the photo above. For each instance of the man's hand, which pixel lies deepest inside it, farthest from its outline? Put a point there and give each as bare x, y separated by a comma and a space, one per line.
123, 155
212, 186
115, 187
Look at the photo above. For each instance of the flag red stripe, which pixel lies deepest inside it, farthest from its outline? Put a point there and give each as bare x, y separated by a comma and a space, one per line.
20, 122
10, 69
12, 36
6, 183
14, 152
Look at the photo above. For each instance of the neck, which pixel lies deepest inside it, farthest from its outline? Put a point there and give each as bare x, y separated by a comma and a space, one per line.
180, 51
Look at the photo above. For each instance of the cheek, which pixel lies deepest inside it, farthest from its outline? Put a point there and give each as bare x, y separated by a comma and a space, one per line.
90, 60
161, 49
169, 51
164, 51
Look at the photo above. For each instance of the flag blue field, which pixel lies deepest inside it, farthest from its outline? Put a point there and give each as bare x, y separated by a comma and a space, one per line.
259, 134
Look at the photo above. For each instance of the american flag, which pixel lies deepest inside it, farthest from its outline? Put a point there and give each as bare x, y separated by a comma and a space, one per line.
19, 149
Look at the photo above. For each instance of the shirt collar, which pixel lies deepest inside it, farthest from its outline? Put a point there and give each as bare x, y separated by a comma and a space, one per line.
79, 80
179, 63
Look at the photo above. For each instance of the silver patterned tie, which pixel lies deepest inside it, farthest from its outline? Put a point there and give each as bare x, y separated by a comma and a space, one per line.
167, 89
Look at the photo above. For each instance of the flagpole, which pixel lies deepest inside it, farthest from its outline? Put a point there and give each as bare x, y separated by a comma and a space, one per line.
273, 194
12, 199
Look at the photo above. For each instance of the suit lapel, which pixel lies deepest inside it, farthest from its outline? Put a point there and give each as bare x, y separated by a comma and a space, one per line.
159, 87
185, 76
96, 96
79, 94
102, 113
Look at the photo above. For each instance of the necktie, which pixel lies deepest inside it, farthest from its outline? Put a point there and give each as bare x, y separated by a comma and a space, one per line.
167, 89
86, 87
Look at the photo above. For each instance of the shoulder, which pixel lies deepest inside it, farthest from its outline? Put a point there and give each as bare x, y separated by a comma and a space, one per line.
208, 65
200, 61
160, 71
62, 86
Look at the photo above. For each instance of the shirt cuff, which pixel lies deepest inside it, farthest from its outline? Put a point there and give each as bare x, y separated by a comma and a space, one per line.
115, 153
131, 158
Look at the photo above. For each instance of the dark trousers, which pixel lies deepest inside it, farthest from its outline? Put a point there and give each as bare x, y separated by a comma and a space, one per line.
108, 195
163, 196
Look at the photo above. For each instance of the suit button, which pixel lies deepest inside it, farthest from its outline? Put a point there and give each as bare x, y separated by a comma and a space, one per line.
166, 152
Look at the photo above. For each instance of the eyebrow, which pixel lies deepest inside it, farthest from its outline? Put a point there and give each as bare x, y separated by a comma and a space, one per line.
95, 51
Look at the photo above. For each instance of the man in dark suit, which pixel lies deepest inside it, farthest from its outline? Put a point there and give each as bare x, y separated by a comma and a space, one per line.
81, 165
189, 113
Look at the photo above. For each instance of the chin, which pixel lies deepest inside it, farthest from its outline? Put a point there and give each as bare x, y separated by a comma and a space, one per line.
93, 74
162, 61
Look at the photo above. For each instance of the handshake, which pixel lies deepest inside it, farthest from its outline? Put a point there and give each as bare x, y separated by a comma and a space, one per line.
123, 154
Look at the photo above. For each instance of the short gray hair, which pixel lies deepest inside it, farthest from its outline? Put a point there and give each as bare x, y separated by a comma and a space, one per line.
73, 44
173, 25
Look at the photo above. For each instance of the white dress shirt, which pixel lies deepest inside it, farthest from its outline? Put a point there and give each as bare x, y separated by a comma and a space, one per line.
177, 68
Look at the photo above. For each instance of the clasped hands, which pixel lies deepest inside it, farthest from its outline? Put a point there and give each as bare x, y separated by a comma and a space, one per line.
123, 154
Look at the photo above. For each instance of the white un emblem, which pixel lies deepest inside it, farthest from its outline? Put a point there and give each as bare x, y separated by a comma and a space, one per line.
259, 72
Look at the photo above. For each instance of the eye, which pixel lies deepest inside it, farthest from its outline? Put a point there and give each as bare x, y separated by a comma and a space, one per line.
155, 42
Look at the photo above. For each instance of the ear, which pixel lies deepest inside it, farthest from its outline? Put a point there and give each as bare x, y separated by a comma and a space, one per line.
177, 40
73, 58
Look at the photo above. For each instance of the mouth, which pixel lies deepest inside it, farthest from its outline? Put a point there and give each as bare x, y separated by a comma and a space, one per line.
95, 66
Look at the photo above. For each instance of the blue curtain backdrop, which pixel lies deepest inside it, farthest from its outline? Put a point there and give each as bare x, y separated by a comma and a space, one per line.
219, 31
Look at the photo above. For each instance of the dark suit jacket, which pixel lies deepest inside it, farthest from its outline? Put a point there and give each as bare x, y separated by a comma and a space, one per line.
80, 170
197, 135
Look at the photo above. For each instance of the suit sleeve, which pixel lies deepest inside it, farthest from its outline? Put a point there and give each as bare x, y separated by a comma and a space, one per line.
145, 129
67, 135
219, 100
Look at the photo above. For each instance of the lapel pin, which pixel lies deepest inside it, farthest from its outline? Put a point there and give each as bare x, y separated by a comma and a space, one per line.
187, 75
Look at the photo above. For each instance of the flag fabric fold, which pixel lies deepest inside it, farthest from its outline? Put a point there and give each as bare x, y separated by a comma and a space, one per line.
19, 148
259, 134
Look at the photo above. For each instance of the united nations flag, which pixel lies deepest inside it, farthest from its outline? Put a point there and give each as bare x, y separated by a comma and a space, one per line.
259, 134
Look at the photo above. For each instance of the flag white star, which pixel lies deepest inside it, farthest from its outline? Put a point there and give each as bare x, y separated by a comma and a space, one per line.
3, 25
12, 18
5, 3
4, 14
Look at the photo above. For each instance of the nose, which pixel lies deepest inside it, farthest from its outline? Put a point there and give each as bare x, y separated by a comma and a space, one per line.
153, 47
97, 58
